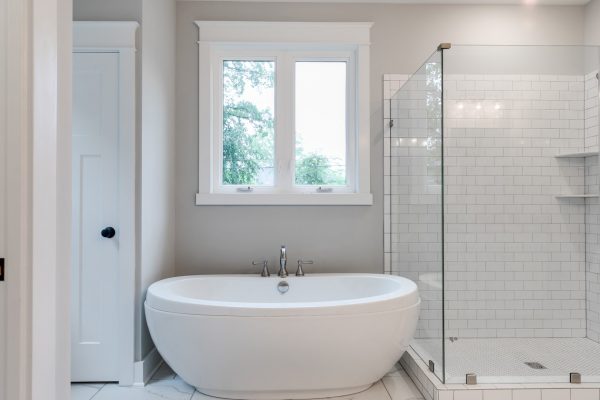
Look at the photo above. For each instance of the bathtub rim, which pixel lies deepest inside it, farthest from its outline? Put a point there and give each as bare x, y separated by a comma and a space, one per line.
158, 298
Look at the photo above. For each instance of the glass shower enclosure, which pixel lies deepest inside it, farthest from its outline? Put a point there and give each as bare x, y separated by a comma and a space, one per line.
492, 208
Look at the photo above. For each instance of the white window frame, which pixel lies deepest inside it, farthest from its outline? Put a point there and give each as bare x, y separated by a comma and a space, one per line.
293, 41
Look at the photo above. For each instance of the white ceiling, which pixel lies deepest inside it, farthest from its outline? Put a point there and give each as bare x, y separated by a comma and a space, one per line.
439, 2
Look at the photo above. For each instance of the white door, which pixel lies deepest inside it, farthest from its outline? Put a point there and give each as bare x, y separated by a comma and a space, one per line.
94, 346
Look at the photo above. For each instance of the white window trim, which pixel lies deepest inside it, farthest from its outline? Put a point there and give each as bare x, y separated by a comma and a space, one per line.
215, 37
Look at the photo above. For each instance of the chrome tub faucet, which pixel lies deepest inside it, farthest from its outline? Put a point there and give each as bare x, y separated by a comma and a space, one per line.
282, 263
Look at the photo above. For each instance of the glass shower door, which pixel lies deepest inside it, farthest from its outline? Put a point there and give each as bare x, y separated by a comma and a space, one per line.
416, 201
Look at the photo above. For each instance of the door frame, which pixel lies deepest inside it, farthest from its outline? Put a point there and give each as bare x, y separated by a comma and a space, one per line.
38, 203
38, 130
119, 37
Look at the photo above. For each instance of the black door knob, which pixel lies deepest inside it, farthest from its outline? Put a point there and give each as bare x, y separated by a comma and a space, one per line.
108, 232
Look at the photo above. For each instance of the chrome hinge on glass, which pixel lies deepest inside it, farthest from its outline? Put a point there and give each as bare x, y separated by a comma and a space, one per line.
244, 189
471, 378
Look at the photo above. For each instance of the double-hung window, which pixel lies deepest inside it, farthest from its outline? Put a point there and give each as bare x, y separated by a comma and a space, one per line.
284, 113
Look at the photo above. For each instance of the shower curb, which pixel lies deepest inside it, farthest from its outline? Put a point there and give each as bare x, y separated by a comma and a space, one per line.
432, 389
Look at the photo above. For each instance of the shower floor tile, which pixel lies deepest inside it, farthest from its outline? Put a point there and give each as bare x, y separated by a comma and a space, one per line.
165, 384
502, 360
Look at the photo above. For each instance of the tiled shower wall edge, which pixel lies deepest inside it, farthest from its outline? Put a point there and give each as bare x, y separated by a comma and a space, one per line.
592, 209
391, 84
432, 389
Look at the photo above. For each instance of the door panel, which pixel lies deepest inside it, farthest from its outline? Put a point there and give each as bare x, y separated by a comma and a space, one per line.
94, 303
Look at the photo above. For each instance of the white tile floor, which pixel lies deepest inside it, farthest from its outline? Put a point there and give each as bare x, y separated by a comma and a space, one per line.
502, 360
396, 385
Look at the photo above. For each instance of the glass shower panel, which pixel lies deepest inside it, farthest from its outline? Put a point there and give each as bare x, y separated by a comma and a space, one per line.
521, 222
416, 186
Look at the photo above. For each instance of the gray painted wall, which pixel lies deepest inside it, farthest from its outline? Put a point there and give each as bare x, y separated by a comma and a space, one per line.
592, 23
224, 239
157, 168
107, 10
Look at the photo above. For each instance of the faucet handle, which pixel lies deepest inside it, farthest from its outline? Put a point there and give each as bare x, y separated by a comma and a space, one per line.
300, 271
265, 269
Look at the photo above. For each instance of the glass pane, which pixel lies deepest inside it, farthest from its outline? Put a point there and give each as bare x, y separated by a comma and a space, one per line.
248, 122
416, 199
320, 123
519, 243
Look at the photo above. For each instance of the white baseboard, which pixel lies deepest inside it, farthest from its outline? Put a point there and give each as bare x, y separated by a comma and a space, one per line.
143, 370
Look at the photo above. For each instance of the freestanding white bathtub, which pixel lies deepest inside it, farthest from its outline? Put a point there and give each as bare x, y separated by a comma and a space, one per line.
238, 337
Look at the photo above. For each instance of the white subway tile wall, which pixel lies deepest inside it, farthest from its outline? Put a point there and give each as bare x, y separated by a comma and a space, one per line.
515, 255
591, 111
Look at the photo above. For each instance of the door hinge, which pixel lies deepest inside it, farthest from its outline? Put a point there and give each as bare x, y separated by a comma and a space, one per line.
1, 269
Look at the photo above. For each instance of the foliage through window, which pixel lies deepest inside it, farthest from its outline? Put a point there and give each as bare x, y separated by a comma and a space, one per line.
284, 115
248, 117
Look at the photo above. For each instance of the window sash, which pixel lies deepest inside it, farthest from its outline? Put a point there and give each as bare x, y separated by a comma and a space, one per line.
351, 132
285, 135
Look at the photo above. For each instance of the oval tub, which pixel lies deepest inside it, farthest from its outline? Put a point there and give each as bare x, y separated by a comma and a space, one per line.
237, 336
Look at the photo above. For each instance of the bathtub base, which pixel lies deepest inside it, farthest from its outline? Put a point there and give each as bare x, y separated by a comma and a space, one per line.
269, 346
278, 395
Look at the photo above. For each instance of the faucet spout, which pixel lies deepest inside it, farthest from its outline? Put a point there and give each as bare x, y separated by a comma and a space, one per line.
282, 263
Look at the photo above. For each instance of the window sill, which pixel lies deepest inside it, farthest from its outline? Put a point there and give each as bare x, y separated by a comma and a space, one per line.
308, 199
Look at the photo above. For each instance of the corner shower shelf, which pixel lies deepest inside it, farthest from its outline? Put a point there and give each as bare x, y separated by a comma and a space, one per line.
579, 154
576, 196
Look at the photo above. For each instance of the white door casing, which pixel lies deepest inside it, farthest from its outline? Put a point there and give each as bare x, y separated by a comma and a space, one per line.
103, 148
37, 136
94, 307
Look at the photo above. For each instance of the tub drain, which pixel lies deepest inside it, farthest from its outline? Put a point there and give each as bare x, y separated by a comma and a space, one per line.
534, 365
283, 287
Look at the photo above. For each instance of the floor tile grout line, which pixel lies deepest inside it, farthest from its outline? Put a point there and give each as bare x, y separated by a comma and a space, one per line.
97, 391
386, 389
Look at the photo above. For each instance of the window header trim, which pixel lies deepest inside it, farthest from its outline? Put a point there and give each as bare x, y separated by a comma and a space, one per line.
357, 33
